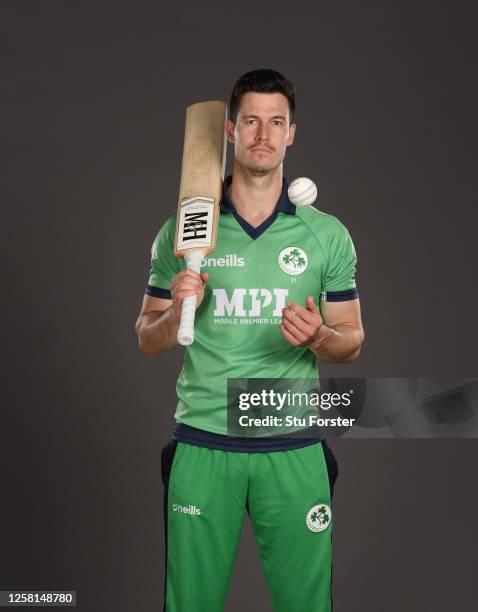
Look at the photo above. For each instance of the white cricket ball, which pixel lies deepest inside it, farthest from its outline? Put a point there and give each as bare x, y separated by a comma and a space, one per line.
302, 192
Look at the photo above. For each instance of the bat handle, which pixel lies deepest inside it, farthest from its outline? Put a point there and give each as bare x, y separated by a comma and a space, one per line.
188, 312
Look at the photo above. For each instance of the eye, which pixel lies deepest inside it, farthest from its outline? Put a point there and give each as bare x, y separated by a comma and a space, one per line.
277, 122
250, 121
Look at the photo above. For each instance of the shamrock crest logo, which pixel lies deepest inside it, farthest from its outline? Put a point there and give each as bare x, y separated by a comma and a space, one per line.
293, 260
319, 517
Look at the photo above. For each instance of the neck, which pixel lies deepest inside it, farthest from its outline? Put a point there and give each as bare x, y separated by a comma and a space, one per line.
255, 196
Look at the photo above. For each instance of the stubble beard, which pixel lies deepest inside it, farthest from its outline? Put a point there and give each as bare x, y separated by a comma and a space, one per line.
259, 169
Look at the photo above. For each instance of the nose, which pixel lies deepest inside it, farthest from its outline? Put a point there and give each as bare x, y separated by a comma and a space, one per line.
262, 134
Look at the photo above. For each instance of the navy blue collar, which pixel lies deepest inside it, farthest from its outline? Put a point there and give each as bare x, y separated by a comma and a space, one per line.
283, 205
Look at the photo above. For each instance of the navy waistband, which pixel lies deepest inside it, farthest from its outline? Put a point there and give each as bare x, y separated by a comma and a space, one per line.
200, 437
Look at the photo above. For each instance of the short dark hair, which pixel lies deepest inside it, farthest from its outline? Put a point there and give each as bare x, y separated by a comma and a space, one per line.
261, 81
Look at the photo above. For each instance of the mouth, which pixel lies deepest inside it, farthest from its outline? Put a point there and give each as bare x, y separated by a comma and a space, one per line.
261, 149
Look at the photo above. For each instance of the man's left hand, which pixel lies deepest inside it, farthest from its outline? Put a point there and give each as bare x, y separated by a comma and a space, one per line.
304, 326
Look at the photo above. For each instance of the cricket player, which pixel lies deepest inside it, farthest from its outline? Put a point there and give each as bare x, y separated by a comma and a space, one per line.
278, 294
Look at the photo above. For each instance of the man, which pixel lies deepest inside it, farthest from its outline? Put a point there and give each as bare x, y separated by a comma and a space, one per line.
257, 317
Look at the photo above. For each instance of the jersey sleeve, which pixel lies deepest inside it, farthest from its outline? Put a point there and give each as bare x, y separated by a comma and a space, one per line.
339, 282
164, 265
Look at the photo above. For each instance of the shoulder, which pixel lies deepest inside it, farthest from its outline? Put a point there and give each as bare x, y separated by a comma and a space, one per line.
168, 229
169, 225
323, 225
164, 238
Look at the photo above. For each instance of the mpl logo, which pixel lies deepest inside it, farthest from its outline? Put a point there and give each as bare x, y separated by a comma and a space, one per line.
257, 299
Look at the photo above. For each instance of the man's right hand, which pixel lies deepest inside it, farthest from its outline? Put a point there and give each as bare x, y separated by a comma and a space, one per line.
158, 322
184, 284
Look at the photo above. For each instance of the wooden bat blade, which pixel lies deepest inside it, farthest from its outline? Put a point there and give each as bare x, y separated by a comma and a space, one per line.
202, 175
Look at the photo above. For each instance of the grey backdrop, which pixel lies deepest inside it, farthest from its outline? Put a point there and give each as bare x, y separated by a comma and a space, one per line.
93, 104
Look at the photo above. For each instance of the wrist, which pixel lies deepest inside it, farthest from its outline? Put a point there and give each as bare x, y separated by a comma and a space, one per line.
173, 316
323, 337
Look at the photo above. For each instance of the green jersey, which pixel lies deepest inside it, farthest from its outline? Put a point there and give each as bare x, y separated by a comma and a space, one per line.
253, 273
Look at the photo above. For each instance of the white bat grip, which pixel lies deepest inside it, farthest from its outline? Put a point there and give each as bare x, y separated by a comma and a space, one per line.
188, 312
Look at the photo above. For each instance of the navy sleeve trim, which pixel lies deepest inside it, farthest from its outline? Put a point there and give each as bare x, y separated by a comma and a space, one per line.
157, 292
340, 296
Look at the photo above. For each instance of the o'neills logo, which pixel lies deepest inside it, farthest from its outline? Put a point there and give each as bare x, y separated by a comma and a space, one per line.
231, 260
194, 510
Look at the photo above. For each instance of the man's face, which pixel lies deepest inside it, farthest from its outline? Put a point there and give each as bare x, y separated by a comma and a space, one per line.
262, 131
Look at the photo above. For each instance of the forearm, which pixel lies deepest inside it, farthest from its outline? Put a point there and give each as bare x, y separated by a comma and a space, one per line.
157, 332
341, 346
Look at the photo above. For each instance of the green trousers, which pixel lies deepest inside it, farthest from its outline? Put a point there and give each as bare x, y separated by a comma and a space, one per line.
288, 497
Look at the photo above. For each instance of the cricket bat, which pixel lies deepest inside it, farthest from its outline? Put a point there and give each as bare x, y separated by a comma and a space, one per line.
200, 191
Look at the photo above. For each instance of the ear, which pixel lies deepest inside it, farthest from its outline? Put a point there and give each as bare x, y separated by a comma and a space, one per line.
291, 136
230, 131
